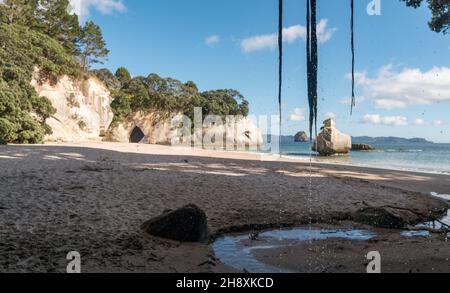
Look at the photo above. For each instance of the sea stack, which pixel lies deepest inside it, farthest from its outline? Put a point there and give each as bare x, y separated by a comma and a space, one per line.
301, 137
331, 141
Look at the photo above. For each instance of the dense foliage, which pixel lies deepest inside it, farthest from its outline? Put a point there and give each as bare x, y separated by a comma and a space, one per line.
440, 10
22, 111
167, 94
38, 34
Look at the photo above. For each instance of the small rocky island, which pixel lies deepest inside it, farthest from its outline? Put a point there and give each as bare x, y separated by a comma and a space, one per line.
362, 147
301, 137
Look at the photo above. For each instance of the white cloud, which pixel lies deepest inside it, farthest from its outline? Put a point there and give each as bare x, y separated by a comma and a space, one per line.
391, 90
329, 115
348, 100
290, 35
298, 115
384, 120
419, 122
213, 40
438, 123
83, 7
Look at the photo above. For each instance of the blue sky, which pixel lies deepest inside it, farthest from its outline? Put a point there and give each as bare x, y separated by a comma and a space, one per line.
403, 79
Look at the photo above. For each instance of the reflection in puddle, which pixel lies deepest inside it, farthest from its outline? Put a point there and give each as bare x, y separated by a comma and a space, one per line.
236, 251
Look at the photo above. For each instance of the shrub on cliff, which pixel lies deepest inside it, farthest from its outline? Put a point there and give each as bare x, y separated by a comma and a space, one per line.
109, 79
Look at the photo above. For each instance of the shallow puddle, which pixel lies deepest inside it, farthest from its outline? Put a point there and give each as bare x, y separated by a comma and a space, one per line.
237, 251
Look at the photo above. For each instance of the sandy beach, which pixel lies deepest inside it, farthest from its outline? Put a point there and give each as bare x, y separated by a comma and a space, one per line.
93, 197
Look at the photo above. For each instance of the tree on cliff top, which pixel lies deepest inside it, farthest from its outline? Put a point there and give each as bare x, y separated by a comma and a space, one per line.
51, 17
141, 94
92, 45
56, 22
21, 12
123, 75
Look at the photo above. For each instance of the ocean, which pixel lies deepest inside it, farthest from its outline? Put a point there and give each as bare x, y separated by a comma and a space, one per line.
421, 157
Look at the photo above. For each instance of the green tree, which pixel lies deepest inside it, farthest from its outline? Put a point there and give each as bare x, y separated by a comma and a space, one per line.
123, 75
56, 21
440, 10
109, 79
121, 106
92, 45
21, 12
22, 50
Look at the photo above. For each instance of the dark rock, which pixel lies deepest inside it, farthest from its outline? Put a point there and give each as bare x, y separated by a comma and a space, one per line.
187, 224
380, 217
362, 147
301, 137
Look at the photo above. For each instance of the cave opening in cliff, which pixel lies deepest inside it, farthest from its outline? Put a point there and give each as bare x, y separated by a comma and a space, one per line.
137, 135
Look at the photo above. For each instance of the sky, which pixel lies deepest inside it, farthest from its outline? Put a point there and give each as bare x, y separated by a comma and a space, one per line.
403, 68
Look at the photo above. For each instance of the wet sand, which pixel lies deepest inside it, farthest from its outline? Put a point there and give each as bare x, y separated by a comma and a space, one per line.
93, 197
398, 255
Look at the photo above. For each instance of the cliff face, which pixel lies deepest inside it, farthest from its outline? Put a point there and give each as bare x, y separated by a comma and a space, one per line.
159, 129
156, 127
84, 114
83, 109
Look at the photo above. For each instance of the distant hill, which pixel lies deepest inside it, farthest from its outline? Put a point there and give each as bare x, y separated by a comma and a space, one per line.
375, 141
389, 140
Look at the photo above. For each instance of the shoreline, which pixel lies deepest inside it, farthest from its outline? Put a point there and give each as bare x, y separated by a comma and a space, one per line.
362, 165
93, 197
252, 154
442, 188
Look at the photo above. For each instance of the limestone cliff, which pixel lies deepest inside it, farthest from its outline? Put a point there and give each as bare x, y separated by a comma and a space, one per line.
83, 113
160, 128
83, 108
155, 126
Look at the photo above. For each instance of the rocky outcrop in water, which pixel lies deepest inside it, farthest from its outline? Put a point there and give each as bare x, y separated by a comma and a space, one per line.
331, 141
83, 109
301, 137
362, 147
187, 224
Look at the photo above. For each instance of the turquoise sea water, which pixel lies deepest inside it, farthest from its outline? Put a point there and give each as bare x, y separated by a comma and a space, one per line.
434, 158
